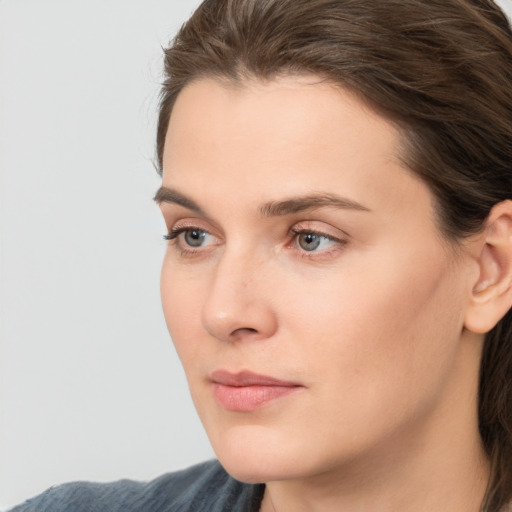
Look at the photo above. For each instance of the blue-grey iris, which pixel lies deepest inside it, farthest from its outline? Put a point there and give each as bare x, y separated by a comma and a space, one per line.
309, 241
195, 237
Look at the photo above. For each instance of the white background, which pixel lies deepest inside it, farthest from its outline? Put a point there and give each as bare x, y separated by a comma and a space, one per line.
90, 386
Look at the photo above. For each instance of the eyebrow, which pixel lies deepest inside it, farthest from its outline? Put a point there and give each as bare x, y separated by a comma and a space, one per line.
272, 208
170, 195
309, 202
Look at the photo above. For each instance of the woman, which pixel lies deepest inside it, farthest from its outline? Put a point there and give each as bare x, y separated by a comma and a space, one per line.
337, 188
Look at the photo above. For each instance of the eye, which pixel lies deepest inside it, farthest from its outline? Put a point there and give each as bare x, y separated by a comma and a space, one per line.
190, 237
310, 241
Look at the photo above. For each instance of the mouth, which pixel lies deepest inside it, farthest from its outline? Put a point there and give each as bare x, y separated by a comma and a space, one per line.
246, 391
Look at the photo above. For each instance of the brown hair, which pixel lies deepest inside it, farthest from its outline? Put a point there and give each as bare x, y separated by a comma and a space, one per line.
440, 69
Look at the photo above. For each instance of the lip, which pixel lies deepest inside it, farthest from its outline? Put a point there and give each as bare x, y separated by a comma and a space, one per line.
246, 391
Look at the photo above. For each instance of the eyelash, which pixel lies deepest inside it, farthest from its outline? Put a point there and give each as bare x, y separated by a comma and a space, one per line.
173, 235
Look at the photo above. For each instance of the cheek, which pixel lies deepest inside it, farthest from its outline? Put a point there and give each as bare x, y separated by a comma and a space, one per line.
386, 331
181, 299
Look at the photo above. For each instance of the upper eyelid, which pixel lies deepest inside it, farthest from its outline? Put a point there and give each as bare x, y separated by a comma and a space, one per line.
192, 223
297, 226
175, 231
330, 232
307, 225
313, 231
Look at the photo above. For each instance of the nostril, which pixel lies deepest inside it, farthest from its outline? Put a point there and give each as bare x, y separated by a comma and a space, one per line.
244, 331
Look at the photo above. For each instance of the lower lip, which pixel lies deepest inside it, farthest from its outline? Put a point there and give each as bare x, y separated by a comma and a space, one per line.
249, 398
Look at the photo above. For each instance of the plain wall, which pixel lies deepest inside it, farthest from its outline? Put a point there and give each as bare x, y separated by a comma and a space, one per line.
90, 386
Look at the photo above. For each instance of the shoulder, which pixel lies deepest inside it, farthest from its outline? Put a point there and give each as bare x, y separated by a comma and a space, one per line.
204, 487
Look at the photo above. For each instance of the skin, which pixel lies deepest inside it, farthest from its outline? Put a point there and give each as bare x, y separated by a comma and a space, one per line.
370, 323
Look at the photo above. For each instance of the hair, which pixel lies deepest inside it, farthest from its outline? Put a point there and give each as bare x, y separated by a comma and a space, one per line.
441, 70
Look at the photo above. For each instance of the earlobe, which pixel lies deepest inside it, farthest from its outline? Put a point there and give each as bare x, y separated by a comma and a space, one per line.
491, 295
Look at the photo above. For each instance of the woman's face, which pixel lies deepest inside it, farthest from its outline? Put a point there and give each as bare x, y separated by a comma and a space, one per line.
315, 307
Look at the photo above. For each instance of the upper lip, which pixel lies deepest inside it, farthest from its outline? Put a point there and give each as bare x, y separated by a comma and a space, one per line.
247, 378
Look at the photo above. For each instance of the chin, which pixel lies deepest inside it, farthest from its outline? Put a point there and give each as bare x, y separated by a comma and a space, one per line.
255, 454
258, 469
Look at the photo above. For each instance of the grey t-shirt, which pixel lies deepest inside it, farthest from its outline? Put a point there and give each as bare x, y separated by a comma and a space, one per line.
202, 488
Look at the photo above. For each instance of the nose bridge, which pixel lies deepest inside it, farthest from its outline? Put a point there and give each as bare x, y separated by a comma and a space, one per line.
237, 303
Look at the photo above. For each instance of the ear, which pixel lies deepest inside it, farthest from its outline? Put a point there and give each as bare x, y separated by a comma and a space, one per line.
491, 296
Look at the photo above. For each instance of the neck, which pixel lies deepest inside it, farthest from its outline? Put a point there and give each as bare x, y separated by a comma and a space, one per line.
397, 483
438, 464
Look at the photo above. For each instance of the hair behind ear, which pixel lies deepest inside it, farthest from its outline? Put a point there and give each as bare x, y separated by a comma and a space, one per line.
490, 311
495, 411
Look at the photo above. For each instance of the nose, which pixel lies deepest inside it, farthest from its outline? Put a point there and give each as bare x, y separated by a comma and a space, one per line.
238, 305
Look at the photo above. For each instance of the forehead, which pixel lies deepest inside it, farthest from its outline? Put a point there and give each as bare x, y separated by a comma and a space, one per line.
297, 106
291, 136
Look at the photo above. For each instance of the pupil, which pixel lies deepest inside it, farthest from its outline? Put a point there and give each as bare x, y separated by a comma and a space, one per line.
309, 241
